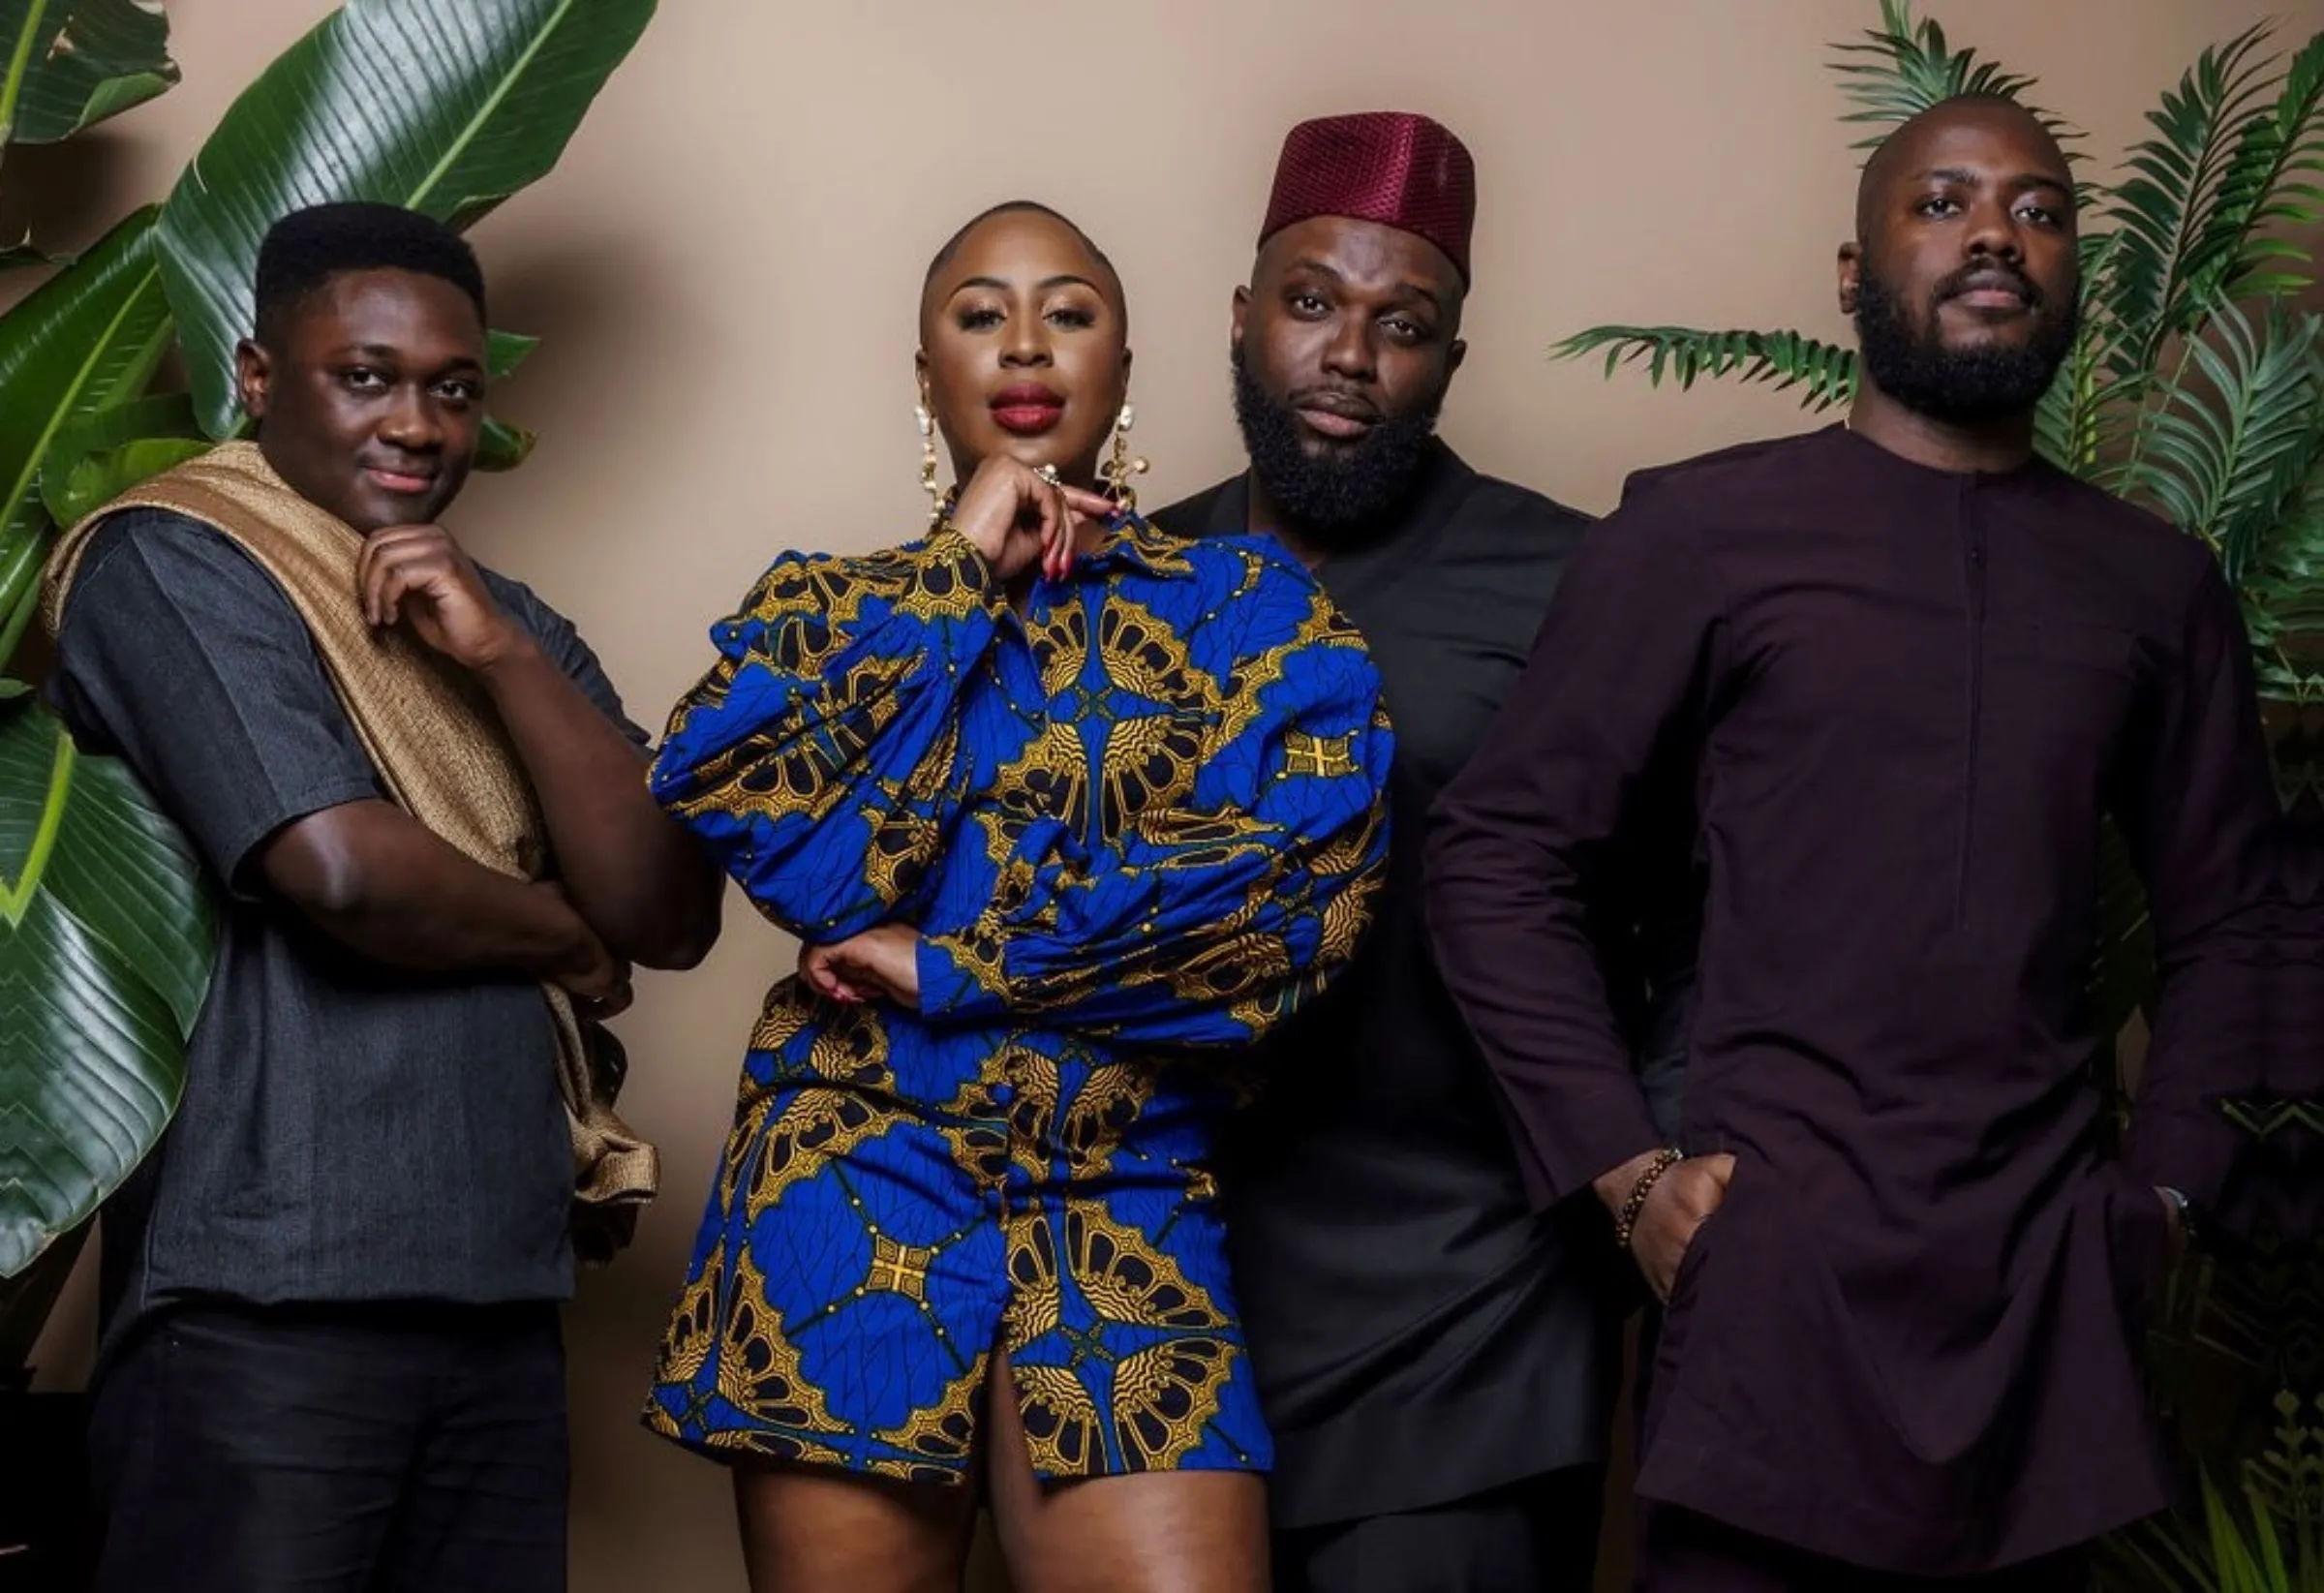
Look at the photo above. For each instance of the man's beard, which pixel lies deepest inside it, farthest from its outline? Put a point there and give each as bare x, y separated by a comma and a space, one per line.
1962, 386
1331, 494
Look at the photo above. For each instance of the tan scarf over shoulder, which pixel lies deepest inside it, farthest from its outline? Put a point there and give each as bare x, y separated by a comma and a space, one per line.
435, 740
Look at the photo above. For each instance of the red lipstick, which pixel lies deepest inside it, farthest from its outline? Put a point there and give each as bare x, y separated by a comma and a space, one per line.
1027, 409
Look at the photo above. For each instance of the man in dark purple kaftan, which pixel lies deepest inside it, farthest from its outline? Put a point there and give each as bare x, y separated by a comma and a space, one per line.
1903, 668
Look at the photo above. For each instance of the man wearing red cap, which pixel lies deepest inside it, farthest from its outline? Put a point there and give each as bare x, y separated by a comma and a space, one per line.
1435, 1363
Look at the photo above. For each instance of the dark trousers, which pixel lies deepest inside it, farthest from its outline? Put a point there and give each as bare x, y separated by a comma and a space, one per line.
1539, 1535
1683, 1552
334, 1450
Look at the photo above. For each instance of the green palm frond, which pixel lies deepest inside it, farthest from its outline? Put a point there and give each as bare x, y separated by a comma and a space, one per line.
2224, 1545
1906, 66
2268, 190
2172, 212
2234, 438
2250, 1559
2284, 598
2077, 419
1827, 372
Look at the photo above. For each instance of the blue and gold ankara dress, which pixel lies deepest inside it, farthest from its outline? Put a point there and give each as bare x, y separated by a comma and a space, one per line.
1135, 826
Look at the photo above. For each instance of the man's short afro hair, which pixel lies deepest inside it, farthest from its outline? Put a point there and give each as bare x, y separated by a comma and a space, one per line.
307, 248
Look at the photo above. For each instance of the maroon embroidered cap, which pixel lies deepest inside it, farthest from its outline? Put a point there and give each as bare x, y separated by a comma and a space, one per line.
1393, 167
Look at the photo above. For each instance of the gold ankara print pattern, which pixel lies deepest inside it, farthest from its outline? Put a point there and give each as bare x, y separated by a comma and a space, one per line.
1135, 826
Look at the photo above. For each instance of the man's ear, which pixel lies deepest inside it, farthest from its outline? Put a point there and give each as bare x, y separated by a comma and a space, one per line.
254, 377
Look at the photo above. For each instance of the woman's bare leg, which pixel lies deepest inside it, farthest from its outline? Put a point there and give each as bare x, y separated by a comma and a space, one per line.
1151, 1532
813, 1530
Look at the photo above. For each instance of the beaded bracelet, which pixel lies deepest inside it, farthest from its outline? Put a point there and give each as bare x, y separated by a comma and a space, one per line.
1665, 1159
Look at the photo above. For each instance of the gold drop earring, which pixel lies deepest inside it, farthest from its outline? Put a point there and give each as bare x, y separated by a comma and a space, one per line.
1119, 466
927, 465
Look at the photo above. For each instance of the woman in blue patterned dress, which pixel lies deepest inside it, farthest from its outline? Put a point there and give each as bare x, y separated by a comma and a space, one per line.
1065, 813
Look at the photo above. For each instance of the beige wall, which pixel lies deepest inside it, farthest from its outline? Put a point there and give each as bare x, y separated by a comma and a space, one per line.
726, 269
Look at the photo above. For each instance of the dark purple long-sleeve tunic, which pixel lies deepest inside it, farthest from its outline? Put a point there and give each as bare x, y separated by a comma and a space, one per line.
1899, 700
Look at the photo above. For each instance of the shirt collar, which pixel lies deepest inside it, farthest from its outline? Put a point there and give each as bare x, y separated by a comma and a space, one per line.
1136, 543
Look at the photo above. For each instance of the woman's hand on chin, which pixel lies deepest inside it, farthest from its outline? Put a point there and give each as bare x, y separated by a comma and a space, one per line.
1019, 516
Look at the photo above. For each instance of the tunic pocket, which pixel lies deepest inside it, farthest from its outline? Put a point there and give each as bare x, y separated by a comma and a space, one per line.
1690, 1260
1679, 1312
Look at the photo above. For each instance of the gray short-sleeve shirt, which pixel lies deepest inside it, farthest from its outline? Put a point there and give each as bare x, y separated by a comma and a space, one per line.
349, 1132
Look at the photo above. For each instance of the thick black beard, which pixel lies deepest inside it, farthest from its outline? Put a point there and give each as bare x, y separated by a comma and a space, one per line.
1334, 495
1962, 387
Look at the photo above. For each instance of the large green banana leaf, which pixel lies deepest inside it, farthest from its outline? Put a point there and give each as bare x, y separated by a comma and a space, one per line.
85, 339
105, 928
65, 64
505, 446
106, 938
98, 457
446, 108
